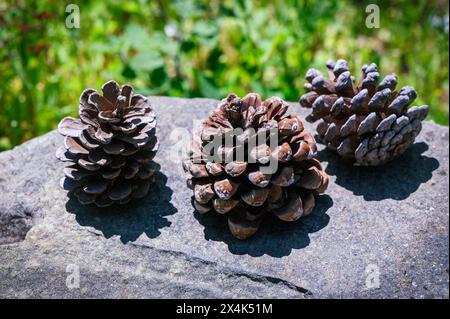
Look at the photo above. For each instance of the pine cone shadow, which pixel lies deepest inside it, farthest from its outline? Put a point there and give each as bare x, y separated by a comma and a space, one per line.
274, 237
147, 215
397, 179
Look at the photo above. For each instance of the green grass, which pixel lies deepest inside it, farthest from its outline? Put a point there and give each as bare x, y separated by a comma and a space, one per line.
206, 48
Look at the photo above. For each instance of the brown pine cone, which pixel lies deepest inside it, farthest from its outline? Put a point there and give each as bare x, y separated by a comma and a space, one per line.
369, 122
235, 180
109, 150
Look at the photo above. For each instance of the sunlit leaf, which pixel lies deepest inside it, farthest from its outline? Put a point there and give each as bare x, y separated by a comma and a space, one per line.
146, 61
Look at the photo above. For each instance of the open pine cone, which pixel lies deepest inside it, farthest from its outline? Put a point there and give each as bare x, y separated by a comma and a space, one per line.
243, 188
109, 150
367, 122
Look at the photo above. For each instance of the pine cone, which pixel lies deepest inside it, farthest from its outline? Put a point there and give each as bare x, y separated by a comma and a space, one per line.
239, 185
368, 123
109, 150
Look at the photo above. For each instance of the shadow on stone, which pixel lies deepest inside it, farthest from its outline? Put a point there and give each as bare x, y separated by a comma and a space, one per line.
275, 237
396, 179
147, 215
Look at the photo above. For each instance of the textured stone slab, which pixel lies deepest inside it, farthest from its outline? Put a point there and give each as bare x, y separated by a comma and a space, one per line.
391, 220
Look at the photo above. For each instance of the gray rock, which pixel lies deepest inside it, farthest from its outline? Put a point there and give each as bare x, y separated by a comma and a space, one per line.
391, 221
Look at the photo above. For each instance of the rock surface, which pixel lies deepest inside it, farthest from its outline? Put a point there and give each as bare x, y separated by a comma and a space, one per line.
376, 233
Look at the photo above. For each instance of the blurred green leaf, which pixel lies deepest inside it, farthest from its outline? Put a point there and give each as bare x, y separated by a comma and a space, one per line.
146, 61
207, 88
205, 28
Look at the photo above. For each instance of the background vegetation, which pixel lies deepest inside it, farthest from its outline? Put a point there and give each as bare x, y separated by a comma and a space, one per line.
205, 48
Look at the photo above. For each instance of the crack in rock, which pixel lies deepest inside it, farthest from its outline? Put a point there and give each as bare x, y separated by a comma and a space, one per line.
229, 272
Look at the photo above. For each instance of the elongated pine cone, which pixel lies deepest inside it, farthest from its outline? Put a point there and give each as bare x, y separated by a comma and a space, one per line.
235, 179
109, 150
369, 122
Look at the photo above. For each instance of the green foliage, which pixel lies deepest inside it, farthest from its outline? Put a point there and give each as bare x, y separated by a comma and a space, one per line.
206, 48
